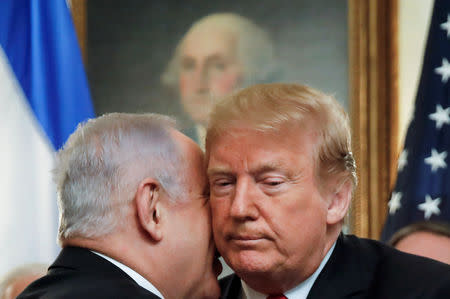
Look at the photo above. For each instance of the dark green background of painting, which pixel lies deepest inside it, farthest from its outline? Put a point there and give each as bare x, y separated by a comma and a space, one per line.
130, 43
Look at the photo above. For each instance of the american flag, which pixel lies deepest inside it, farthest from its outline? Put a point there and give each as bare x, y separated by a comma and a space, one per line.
422, 190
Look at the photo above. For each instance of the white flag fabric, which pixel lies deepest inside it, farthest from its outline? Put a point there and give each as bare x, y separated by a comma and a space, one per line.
43, 96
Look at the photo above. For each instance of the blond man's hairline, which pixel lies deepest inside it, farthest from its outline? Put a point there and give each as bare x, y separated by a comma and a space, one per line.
224, 124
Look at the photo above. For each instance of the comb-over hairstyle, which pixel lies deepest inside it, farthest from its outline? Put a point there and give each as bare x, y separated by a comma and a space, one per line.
99, 168
274, 107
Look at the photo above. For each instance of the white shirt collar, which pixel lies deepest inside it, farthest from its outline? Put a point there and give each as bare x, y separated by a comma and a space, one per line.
139, 279
299, 292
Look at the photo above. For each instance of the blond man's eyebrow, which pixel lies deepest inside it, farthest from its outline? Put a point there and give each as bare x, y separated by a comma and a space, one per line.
218, 171
258, 169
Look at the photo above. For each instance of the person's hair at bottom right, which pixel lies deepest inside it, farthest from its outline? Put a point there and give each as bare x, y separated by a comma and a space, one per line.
429, 239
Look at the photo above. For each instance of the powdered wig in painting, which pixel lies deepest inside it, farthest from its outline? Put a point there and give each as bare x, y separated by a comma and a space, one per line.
255, 49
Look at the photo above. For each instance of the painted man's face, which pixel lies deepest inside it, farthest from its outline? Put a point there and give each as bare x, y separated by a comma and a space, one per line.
209, 69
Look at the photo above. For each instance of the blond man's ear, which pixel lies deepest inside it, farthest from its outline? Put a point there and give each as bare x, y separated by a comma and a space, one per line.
339, 202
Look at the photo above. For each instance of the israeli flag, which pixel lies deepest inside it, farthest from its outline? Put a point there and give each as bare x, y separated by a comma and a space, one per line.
44, 94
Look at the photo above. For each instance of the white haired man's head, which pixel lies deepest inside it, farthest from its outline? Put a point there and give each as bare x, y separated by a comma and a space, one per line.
133, 187
98, 170
219, 53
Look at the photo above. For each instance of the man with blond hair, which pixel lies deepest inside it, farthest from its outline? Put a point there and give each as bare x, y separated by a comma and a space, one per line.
281, 175
219, 53
134, 214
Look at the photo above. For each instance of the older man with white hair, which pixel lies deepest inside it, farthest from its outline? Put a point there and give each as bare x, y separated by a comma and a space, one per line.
134, 214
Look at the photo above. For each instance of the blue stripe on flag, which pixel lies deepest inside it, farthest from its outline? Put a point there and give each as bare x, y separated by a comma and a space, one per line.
42, 48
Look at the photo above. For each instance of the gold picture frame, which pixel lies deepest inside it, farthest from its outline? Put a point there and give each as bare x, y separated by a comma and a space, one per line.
373, 92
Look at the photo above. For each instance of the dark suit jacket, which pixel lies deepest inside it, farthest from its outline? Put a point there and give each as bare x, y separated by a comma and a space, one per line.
79, 273
362, 268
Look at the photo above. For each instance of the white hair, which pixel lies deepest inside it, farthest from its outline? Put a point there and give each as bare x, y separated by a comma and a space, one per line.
98, 170
255, 49
18, 273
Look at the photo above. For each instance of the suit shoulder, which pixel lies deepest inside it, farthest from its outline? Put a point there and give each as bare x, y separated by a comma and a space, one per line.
386, 252
388, 256
84, 286
398, 272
